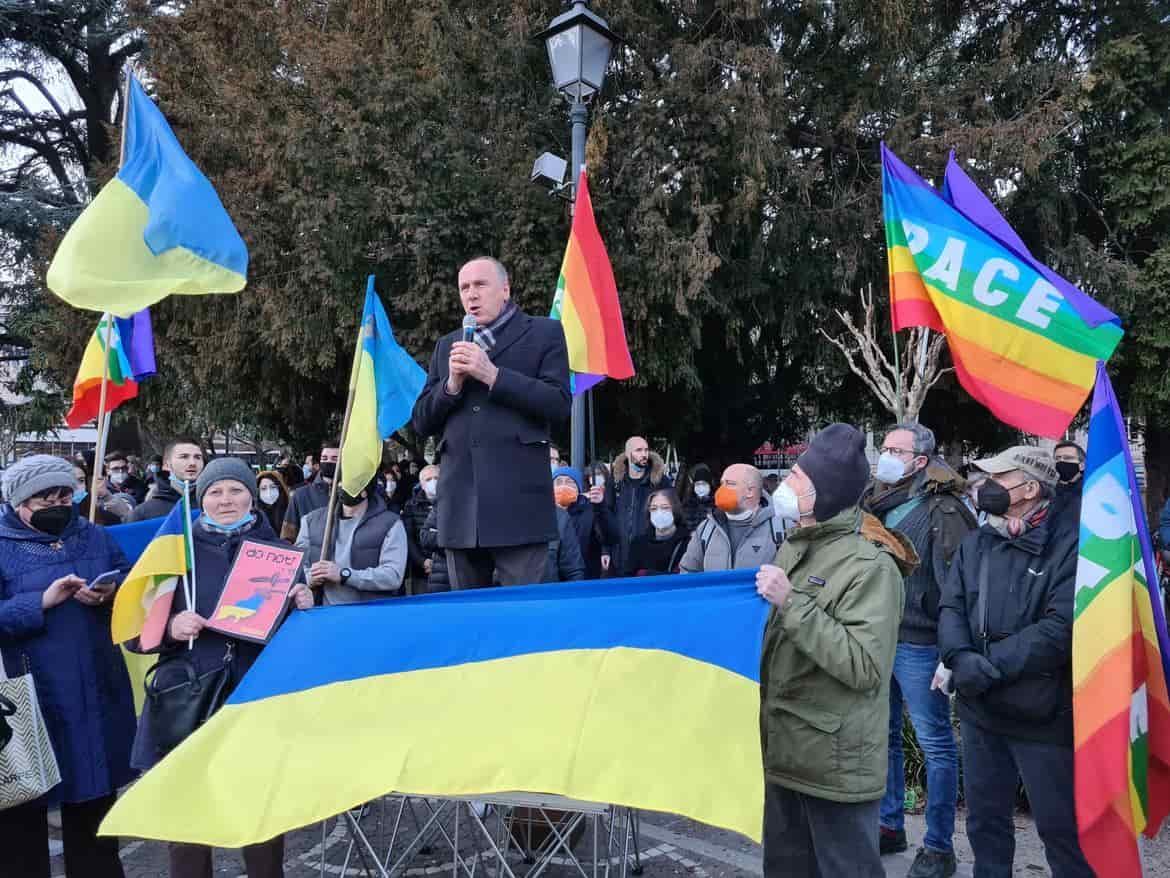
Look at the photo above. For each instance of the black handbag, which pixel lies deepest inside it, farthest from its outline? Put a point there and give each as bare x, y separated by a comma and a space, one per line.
177, 710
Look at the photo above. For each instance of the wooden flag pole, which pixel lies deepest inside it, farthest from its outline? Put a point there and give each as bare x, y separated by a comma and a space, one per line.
103, 419
331, 510
103, 422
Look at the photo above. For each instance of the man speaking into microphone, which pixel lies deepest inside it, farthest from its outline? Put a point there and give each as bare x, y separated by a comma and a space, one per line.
493, 392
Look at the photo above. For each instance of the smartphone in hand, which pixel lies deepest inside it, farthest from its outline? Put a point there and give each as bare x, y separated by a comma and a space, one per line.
109, 579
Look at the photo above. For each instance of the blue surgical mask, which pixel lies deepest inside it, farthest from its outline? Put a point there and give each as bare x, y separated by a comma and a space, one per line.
307, 470
80, 495
215, 527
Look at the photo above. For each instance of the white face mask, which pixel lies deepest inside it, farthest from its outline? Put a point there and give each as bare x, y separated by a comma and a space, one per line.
786, 504
889, 469
390, 486
430, 486
118, 478
662, 519
702, 490
269, 495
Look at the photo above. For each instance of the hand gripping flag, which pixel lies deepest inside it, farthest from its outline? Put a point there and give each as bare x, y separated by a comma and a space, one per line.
385, 383
143, 603
130, 359
157, 228
1024, 341
640, 692
586, 303
1121, 712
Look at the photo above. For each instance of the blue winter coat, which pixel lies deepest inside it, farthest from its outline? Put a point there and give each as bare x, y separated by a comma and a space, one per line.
80, 675
214, 555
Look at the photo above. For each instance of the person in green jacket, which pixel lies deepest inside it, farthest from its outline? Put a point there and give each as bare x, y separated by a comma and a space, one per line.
836, 591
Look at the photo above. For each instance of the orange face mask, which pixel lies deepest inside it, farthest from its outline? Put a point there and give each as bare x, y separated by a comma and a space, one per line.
565, 495
726, 499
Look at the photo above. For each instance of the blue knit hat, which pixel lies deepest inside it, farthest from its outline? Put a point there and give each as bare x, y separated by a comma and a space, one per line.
573, 473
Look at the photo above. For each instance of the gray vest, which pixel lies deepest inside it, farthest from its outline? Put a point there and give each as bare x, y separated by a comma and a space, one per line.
366, 549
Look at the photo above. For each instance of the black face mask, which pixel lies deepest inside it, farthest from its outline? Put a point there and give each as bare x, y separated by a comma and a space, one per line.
993, 498
52, 520
348, 499
1068, 470
328, 470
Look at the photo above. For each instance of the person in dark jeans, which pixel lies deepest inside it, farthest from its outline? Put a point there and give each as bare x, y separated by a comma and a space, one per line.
1005, 631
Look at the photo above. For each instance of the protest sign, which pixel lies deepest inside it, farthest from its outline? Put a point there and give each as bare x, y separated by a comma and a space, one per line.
256, 590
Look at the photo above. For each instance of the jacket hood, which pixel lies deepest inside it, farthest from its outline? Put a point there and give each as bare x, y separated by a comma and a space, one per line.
657, 468
761, 515
895, 542
276, 477
941, 478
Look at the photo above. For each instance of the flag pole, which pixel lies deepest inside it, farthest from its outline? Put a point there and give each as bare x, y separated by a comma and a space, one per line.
899, 408
103, 421
104, 416
331, 509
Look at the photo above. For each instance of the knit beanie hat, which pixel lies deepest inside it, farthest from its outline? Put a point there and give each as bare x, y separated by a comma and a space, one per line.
573, 473
35, 473
836, 464
221, 469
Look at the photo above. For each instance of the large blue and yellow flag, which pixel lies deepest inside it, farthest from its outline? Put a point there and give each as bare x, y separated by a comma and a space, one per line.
157, 228
385, 382
638, 692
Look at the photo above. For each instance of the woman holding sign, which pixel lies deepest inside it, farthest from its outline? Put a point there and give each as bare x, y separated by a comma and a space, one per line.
55, 625
196, 639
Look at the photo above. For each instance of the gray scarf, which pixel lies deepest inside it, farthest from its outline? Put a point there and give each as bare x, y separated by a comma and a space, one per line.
485, 336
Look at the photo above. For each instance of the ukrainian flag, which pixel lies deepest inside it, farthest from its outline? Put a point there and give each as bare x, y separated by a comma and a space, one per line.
638, 692
385, 383
143, 603
157, 228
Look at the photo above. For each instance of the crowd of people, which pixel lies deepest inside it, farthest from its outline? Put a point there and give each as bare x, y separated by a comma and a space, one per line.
905, 589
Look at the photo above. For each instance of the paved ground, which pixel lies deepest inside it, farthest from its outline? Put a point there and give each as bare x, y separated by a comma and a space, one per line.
671, 847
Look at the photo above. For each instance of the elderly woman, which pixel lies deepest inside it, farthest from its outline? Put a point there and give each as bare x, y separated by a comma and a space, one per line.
55, 627
227, 496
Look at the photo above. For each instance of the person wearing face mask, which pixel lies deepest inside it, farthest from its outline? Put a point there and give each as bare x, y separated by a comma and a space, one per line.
636, 475
741, 532
836, 589
564, 563
153, 467
698, 497
660, 549
314, 494
369, 551
120, 480
589, 514
226, 495
414, 517
272, 497
921, 497
182, 464
1069, 459
56, 628
1005, 631
107, 514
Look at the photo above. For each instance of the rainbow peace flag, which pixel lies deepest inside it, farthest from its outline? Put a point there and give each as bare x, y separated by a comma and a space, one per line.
640, 692
586, 303
157, 228
143, 603
1121, 711
385, 382
130, 357
1023, 340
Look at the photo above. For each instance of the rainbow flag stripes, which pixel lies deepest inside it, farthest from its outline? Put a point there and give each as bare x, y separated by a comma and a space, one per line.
1024, 342
1121, 711
131, 359
586, 303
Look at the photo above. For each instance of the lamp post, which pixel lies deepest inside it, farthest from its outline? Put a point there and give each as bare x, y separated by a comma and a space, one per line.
579, 44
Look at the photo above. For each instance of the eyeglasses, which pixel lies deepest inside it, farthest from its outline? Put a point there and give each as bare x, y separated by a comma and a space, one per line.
898, 452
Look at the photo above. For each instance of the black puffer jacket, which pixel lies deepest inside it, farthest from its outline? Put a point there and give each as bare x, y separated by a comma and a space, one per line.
428, 538
1030, 582
161, 501
414, 518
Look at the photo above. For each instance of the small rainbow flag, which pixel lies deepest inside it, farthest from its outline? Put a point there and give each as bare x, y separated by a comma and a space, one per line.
586, 302
131, 359
143, 603
1024, 341
1121, 711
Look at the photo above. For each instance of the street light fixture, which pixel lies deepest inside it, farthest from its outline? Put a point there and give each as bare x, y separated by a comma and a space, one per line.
579, 44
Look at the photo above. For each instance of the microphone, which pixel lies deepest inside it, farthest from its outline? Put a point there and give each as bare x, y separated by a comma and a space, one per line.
469, 327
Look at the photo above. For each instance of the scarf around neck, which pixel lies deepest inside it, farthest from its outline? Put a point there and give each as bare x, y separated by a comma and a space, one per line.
485, 336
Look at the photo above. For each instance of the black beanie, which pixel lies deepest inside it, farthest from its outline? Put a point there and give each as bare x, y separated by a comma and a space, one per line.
835, 463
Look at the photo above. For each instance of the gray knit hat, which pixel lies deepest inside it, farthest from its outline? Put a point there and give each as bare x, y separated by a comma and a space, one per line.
35, 473
225, 468
835, 463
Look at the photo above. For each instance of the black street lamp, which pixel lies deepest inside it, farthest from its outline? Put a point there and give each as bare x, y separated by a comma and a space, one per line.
579, 44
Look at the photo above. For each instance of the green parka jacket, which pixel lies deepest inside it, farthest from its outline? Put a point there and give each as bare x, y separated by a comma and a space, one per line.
828, 655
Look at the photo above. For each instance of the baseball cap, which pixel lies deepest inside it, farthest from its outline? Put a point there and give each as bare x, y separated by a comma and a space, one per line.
1035, 462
